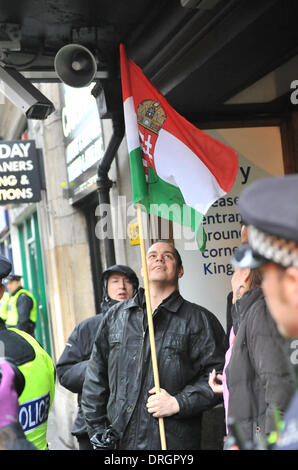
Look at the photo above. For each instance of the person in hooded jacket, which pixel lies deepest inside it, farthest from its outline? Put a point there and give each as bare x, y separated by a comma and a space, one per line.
118, 283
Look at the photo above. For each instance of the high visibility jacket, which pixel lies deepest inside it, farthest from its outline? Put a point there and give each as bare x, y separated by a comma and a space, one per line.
12, 311
37, 397
4, 305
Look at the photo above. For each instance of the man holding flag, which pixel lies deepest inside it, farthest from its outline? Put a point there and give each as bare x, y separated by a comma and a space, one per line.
119, 392
126, 396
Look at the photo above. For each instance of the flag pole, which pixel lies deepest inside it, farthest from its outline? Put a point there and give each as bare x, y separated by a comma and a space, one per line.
150, 322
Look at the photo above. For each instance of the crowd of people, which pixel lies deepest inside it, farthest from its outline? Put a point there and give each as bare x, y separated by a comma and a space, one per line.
107, 360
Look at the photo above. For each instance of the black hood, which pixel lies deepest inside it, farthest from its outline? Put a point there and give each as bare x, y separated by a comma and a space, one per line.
106, 301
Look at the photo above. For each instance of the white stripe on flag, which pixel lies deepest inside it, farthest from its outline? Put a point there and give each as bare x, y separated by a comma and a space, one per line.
131, 125
179, 165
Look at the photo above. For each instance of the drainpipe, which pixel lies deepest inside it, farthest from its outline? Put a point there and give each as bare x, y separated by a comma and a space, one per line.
108, 96
104, 183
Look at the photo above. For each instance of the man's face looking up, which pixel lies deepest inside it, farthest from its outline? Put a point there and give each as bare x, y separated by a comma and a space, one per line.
162, 264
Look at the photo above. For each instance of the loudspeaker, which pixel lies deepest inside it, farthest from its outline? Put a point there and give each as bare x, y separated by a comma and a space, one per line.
75, 65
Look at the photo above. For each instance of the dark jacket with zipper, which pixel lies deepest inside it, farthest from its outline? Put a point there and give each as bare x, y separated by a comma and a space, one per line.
190, 342
258, 374
72, 364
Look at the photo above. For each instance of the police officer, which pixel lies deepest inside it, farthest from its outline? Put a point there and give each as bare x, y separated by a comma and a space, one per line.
4, 305
38, 370
22, 308
270, 208
12, 383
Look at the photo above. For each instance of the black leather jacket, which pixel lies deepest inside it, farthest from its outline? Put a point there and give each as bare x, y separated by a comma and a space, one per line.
72, 364
190, 342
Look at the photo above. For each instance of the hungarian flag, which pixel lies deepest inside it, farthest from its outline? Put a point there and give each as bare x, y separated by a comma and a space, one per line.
177, 170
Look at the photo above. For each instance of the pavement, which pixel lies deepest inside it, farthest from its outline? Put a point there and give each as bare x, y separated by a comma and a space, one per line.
54, 440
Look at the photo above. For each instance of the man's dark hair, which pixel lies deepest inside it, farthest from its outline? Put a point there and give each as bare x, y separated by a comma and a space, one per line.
176, 252
255, 278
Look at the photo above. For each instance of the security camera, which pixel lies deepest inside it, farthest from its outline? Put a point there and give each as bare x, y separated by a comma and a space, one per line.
23, 94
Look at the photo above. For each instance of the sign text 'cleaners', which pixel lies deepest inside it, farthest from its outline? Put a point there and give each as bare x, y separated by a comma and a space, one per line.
19, 172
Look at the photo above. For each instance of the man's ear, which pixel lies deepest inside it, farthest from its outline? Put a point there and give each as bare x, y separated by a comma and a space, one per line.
2, 289
246, 274
292, 276
180, 272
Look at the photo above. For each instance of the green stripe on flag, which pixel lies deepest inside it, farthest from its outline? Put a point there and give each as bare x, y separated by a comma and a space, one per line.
163, 199
167, 201
138, 180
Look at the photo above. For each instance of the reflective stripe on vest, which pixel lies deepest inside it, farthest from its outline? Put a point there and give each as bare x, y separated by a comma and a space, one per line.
12, 311
4, 306
38, 394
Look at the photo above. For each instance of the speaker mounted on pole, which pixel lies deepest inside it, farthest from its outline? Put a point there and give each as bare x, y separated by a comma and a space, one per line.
75, 65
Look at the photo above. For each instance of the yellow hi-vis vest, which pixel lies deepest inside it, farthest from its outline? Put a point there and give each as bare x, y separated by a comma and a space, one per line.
4, 305
12, 311
37, 397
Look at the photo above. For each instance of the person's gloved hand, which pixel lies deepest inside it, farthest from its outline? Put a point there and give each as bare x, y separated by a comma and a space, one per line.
9, 405
107, 440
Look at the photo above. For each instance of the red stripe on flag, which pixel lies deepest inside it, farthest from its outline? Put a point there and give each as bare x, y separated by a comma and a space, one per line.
125, 78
